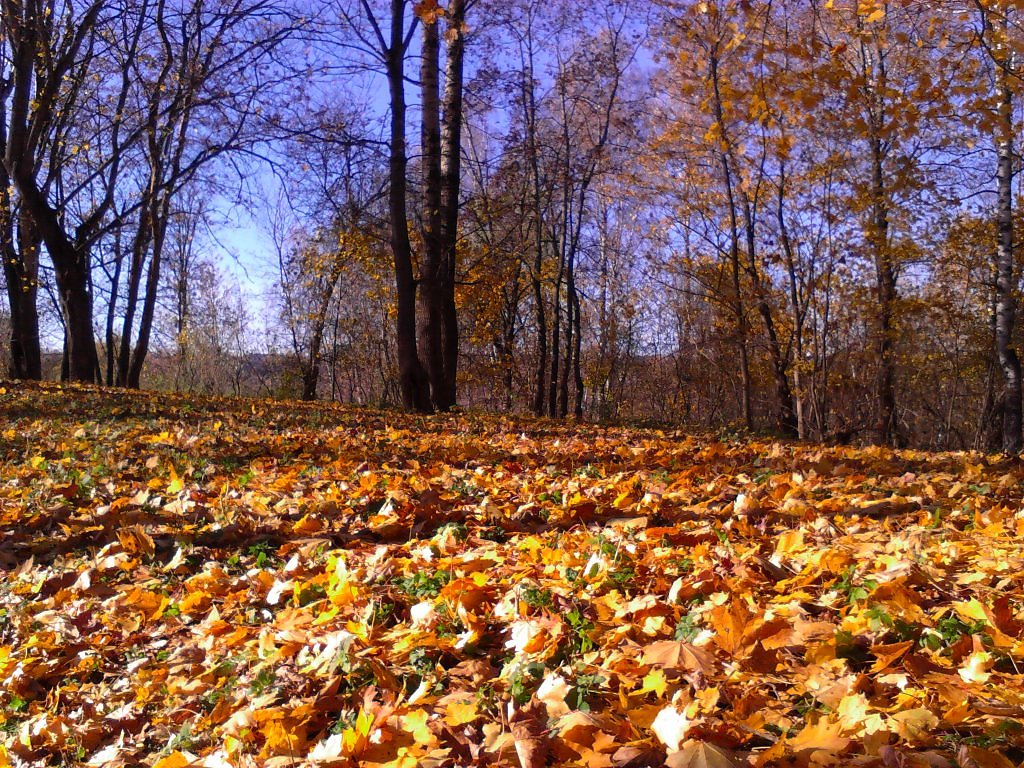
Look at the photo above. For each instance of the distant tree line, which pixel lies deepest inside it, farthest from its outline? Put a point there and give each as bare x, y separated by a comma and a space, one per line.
789, 216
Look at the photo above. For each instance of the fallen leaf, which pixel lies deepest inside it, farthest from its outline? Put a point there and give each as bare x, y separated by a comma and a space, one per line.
820, 736
529, 730
671, 726
700, 754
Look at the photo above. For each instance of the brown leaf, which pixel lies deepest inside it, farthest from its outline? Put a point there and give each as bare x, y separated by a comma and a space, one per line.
529, 729
134, 540
969, 756
678, 655
700, 754
631, 756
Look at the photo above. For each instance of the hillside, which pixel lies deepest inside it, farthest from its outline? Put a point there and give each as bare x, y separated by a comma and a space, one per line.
233, 582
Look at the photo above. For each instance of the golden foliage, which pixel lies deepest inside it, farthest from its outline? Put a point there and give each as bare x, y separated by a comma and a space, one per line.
214, 582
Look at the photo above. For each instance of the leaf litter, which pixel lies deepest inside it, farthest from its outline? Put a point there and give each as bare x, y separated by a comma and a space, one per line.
217, 582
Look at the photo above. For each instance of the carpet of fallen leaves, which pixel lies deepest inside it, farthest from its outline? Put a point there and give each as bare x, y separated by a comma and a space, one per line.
238, 583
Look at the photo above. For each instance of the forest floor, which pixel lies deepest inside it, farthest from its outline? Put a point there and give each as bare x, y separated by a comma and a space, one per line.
196, 581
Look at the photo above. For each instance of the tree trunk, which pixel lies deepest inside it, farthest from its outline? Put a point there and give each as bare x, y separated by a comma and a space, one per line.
19, 251
412, 378
20, 254
430, 289
563, 380
556, 330
785, 416
796, 304
885, 281
112, 350
1006, 285
529, 105
76, 305
140, 245
885, 429
540, 385
71, 267
32, 114
310, 378
742, 331
152, 286
451, 175
577, 373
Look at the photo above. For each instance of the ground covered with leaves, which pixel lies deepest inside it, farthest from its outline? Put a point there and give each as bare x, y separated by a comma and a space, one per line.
238, 583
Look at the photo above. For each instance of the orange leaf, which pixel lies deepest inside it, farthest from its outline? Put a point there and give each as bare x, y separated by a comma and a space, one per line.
174, 760
822, 735
461, 712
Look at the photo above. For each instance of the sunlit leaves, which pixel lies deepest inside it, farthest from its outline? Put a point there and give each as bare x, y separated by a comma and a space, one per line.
802, 604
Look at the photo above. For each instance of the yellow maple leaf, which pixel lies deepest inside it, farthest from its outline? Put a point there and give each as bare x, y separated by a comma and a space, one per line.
971, 610
852, 710
355, 739
461, 712
308, 524
283, 737
415, 723
823, 735
655, 682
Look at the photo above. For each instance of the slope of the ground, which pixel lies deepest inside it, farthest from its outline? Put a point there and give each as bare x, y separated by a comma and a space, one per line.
237, 583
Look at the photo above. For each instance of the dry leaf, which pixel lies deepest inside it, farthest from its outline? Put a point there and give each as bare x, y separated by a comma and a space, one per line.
700, 754
529, 729
671, 726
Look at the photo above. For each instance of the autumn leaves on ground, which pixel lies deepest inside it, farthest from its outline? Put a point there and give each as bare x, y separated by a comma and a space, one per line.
236, 583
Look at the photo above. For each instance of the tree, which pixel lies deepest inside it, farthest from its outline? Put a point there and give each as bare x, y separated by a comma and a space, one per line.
52, 54
113, 109
441, 152
996, 28
428, 338
201, 93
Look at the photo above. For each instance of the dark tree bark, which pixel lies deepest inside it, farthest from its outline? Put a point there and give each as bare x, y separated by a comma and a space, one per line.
451, 176
785, 414
19, 249
798, 301
885, 428
413, 381
528, 95
556, 328
138, 358
136, 265
577, 351
441, 135
432, 263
